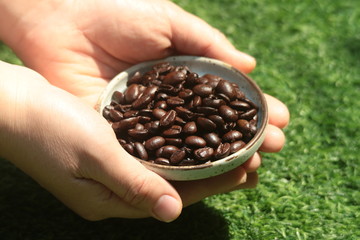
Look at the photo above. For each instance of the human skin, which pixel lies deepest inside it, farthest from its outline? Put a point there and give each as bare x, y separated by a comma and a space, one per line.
49, 127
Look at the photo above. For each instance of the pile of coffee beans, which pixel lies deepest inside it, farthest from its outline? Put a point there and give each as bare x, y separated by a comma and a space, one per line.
172, 116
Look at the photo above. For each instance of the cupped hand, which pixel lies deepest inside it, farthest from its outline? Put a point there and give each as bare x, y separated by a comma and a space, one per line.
79, 47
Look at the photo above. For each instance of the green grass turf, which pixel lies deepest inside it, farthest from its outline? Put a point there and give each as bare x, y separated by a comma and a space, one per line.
308, 55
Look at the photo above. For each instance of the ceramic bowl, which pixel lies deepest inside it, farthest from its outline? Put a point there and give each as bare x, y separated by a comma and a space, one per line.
200, 65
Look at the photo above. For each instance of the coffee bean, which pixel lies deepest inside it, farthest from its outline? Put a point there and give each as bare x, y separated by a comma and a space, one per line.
141, 151
240, 105
227, 113
154, 143
244, 126
168, 119
115, 115
212, 139
174, 141
139, 134
195, 141
190, 128
186, 94
131, 113
162, 161
118, 97
204, 154
129, 148
236, 146
161, 105
226, 88
158, 113
223, 150
174, 78
232, 136
162, 67
203, 90
177, 157
166, 151
249, 114
131, 93
174, 131
125, 124
206, 124
175, 101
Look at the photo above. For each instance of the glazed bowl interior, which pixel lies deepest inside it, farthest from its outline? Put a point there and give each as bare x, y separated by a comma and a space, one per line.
201, 66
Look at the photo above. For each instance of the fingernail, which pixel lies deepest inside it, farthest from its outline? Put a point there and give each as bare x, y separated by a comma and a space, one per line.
167, 208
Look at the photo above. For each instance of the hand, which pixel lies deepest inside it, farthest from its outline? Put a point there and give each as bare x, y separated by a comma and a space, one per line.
82, 46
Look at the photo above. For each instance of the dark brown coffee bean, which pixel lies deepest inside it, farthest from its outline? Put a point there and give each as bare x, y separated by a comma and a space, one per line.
249, 114
195, 141
214, 103
203, 90
206, 110
180, 121
131, 113
226, 88
236, 146
218, 120
129, 148
160, 96
190, 128
142, 101
206, 124
212, 139
186, 93
161, 105
174, 78
144, 119
223, 150
125, 124
213, 79
154, 143
174, 131
131, 93
187, 162
146, 112
227, 113
158, 113
115, 115
138, 134
184, 113
122, 141
162, 67
118, 97
122, 107
174, 141
244, 126
139, 126
141, 151
162, 161
175, 101
177, 157
232, 136
240, 105
168, 119
166, 151
204, 154
135, 79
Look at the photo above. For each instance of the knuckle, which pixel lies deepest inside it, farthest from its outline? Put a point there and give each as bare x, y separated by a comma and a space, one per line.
138, 191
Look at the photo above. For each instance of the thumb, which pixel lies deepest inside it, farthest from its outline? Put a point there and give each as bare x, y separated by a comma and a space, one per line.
193, 36
142, 190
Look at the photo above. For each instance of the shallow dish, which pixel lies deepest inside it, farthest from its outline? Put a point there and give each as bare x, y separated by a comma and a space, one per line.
200, 65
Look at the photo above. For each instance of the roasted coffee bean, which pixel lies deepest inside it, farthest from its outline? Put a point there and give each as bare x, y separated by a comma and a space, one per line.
213, 80
236, 146
154, 143
115, 115
122, 107
131, 93
139, 126
203, 90
227, 113
244, 126
162, 161
129, 148
131, 113
186, 94
174, 141
204, 154
195, 141
240, 105
161, 105
174, 131
162, 67
141, 151
161, 96
232, 136
206, 124
122, 141
139, 134
166, 151
214, 103
223, 150
158, 113
146, 112
187, 162
212, 139
177, 157
175, 101
184, 113
249, 114
118, 97
142, 101
226, 88
206, 110
136, 78
144, 119
218, 120
179, 121
125, 124
190, 128
174, 78
168, 119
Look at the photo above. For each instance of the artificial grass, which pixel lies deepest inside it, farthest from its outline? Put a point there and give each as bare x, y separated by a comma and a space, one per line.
308, 55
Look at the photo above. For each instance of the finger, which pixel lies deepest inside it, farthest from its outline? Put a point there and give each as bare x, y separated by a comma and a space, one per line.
252, 181
278, 113
253, 163
194, 191
193, 36
274, 139
135, 185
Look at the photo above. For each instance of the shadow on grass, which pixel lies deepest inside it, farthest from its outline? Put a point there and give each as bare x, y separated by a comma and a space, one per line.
29, 212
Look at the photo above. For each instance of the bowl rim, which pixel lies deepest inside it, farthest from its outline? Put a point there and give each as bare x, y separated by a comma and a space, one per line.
182, 58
